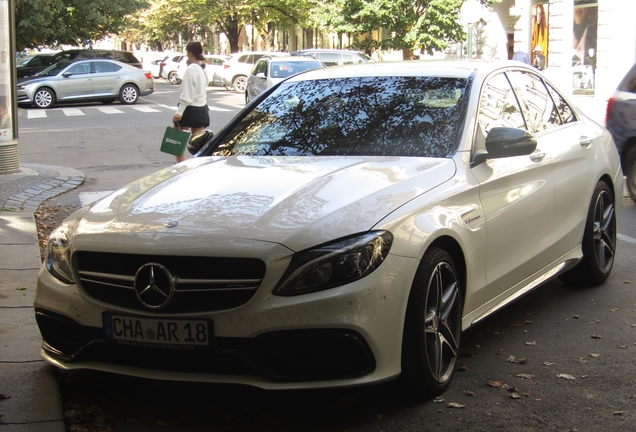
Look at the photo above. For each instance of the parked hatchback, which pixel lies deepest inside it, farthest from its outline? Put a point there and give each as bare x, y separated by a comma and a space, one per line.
104, 80
169, 68
272, 70
332, 57
621, 122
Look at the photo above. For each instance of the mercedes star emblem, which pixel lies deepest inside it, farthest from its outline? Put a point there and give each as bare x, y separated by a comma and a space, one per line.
154, 286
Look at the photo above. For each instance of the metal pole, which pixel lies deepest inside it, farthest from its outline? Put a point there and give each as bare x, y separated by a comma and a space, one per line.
469, 35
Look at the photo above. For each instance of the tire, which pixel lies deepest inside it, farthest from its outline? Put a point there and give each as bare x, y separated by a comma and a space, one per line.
239, 84
173, 78
432, 327
129, 94
629, 169
43, 98
599, 241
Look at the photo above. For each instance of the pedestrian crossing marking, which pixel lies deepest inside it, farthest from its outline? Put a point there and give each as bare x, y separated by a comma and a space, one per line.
36, 114
73, 112
110, 110
145, 109
213, 108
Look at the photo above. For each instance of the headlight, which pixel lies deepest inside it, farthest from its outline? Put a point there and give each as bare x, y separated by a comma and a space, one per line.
334, 264
24, 86
58, 254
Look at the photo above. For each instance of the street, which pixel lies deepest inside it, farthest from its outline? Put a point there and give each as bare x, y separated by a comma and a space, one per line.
560, 358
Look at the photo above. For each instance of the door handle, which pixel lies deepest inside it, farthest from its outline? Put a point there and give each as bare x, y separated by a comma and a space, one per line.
585, 141
537, 156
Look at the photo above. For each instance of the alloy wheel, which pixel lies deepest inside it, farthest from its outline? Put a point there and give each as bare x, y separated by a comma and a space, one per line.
604, 236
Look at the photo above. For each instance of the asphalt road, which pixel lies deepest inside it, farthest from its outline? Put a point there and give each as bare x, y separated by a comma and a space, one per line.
574, 348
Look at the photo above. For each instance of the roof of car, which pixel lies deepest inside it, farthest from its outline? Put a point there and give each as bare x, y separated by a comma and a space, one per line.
440, 68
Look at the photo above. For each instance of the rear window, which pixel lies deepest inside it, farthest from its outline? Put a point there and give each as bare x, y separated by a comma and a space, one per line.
370, 116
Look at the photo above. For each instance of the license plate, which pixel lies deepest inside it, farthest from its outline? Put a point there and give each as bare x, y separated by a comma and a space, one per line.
157, 333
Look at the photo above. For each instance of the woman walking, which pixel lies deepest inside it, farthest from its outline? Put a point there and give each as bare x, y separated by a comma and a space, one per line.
192, 111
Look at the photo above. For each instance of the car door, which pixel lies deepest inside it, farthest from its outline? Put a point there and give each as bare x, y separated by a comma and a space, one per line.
75, 82
107, 78
568, 144
517, 195
257, 81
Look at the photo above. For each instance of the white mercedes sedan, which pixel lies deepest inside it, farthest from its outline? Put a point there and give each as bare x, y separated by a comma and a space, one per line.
343, 229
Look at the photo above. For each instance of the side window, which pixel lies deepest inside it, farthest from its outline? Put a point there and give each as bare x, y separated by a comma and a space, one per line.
498, 106
244, 59
79, 69
35, 61
103, 67
566, 112
329, 59
540, 112
256, 57
216, 61
261, 67
351, 59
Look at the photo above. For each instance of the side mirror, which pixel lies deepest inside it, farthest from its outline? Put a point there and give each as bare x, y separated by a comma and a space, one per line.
67, 74
503, 142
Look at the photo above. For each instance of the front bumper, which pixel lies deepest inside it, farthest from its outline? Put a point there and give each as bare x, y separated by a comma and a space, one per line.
344, 336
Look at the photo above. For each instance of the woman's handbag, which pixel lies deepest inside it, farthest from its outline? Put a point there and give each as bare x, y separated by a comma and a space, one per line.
174, 140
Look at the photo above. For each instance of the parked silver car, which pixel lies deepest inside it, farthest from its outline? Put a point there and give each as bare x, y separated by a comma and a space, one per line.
272, 70
104, 80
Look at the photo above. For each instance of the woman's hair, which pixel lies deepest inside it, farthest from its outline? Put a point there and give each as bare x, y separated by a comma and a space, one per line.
197, 49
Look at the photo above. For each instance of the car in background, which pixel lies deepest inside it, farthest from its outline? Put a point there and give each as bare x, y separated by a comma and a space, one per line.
169, 68
85, 54
214, 63
341, 230
156, 66
32, 64
81, 80
333, 57
238, 66
272, 70
620, 120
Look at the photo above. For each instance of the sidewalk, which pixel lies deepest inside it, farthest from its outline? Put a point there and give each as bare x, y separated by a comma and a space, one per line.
34, 402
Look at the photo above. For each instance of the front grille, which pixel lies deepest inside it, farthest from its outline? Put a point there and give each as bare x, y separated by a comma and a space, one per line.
201, 283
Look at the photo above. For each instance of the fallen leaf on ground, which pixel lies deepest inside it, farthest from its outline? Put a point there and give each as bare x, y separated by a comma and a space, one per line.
462, 368
618, 412
531, 343
548, 363
495, 384
438, 399
582, 360
595, 355
575, 317
21, 288
595, 336
515, 396
614, 310
521, 360
499, 351
470, 393
525, 376
515, 324
4, 396
566, 376
455, 405
528, 322
621, 346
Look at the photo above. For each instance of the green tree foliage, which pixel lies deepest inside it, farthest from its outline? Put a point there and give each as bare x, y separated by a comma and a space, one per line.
408, 24
72, 22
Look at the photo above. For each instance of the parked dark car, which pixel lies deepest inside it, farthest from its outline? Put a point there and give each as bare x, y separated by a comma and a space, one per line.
32, 64
332, 57
621, 122
86, 54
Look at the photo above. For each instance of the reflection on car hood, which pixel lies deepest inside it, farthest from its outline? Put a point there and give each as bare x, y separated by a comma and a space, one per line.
32, 79
295, 201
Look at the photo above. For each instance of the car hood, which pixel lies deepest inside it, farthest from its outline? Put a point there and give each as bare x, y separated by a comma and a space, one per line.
294, 201
33, 79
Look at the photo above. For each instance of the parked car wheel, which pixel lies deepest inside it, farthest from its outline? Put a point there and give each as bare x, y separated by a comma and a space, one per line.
44, 98
432, 328
239, 84
129, 94
599, 241
173, 78
629, 169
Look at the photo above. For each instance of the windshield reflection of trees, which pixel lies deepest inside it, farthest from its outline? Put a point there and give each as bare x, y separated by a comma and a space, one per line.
374, 116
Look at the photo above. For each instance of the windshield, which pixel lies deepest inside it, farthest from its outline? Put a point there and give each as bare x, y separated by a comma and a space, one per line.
53, 69
284, 69
371, 116
24, 60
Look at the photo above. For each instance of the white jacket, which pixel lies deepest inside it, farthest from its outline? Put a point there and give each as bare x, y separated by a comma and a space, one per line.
193, 88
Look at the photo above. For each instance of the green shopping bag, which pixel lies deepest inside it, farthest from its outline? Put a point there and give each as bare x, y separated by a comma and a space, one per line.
174, 141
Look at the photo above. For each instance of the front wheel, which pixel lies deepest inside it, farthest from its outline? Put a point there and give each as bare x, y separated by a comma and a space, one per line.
432, 327
239, 84
43, 98
128, 94
599, 241
629, 169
